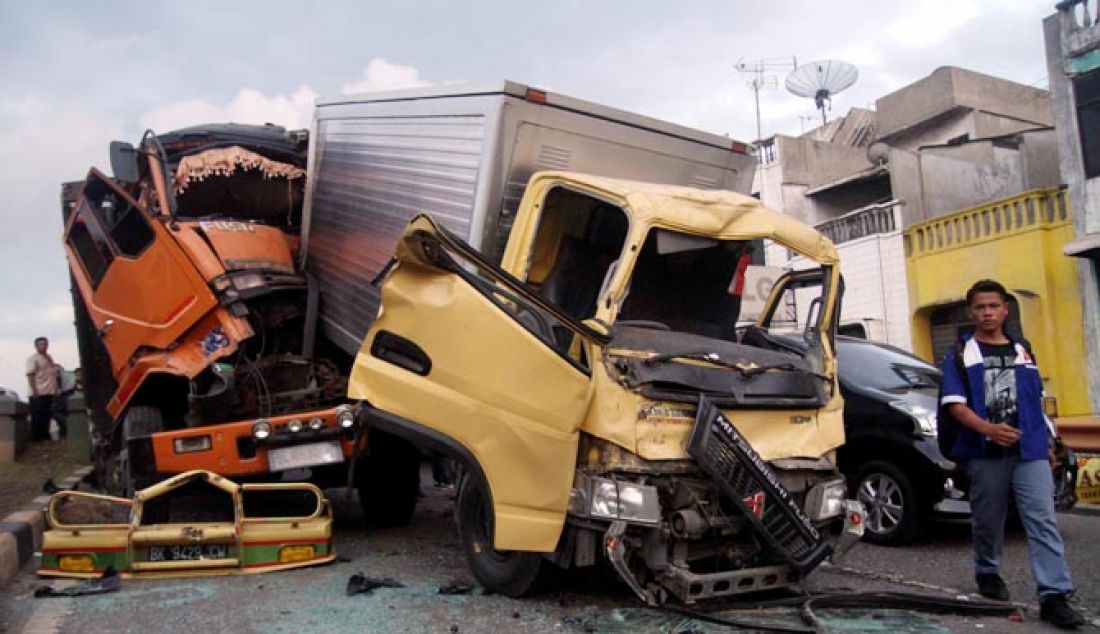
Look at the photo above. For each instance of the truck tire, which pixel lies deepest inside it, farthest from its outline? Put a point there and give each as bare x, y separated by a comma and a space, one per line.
512, 573
140, 421
893, 505
388, 480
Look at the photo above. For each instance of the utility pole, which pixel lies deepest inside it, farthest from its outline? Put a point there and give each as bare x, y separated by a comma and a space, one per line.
759, 69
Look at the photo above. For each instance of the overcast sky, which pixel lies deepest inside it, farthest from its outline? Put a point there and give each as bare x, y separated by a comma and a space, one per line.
76, 75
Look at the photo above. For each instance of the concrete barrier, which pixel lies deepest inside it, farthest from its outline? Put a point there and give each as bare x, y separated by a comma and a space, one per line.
14, 429
21, 532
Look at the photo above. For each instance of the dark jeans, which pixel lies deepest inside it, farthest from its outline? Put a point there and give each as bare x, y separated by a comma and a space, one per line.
59, 410
41, 410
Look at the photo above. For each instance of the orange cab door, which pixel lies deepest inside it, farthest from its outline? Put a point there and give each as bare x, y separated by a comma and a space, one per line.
140, 289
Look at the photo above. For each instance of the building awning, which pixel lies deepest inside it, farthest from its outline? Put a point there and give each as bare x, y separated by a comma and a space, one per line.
1086, 247
870, 173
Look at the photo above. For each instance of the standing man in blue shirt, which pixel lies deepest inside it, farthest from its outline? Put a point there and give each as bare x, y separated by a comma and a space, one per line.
996, 396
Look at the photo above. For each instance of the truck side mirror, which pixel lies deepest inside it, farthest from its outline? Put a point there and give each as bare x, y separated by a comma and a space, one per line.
124, 162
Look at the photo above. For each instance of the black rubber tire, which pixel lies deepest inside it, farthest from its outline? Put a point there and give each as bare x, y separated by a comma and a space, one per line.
511, 573
387, 477
140, 421
895, 492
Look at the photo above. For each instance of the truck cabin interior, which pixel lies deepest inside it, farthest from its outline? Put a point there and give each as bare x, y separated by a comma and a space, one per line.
680, 282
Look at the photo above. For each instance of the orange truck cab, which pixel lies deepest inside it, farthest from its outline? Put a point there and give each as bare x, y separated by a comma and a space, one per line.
197, 326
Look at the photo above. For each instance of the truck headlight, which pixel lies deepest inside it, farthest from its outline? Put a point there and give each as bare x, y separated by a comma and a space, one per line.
923, 418
261, 429
294, 425
316, 423
615, 499
345, 417
826, 500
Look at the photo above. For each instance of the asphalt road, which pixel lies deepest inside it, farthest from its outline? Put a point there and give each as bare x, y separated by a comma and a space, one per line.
426, 556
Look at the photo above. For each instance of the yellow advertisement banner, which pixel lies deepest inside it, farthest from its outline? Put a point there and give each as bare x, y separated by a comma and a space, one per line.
1088, 479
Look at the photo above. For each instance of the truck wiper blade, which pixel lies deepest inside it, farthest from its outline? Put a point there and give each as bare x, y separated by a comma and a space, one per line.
747, 370
709, 357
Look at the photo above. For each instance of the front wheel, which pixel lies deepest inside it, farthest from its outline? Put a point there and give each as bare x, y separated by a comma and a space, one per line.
141, 421
891, 501
512, 573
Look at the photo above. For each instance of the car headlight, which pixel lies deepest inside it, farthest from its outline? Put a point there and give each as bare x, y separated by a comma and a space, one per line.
316, 423
616, 499
261, 429
924, 418
345, 417
826, 500
294, 425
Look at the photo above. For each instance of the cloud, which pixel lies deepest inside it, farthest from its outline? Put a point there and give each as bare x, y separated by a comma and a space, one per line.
249, 106
383, 75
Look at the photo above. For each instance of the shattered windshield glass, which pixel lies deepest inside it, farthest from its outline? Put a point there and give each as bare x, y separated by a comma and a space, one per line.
688, 284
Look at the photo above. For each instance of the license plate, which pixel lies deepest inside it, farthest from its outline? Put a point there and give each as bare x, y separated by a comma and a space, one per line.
188, 552
310, 455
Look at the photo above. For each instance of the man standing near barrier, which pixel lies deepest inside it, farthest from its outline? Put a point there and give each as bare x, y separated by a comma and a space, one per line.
995, 394
42, 377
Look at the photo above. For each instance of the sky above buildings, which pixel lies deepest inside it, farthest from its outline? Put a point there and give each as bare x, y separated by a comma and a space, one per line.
76, 75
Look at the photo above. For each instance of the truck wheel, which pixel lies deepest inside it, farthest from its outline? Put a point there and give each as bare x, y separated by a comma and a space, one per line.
512, 573
388, 480
140, 421
891, 501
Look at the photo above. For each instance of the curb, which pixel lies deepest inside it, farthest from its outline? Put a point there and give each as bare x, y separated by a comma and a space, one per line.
21, 532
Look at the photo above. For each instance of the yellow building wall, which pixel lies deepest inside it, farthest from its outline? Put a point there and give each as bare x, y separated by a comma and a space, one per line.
1018, 242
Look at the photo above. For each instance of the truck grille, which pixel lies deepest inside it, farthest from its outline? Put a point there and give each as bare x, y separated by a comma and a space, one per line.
743, 477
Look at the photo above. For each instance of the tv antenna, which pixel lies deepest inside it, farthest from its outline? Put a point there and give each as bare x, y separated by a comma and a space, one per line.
821, 80
758, 69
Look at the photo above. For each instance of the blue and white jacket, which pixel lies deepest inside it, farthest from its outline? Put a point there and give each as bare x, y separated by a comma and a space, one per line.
969, 444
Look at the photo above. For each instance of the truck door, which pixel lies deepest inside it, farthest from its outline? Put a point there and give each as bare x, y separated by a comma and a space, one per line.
140, 289
464, 349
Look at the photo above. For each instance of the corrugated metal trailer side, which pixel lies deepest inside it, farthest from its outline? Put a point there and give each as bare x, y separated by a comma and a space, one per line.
464, 154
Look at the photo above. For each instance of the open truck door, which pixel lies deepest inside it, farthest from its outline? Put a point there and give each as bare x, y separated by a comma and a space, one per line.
467, 349
137, 284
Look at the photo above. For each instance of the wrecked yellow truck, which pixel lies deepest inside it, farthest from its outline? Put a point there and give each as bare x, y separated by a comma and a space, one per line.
193, 523
600, 398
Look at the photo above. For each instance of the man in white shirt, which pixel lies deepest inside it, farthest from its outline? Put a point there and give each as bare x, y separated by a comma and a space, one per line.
42, 377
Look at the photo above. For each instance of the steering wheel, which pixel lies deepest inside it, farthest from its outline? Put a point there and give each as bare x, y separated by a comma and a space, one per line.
644, 323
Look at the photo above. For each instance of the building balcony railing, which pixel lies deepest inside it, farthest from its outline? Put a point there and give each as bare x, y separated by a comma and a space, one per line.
1032, 209
1080, 21
866, 221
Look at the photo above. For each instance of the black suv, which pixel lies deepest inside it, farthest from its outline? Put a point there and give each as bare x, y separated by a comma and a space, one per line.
890, 455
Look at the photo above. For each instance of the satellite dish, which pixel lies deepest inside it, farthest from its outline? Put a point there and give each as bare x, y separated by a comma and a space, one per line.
878, 153
821, 80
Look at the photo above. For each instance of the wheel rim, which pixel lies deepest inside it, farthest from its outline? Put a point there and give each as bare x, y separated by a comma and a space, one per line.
882, 497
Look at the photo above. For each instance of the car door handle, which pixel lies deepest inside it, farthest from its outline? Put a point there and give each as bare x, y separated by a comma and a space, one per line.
401, 352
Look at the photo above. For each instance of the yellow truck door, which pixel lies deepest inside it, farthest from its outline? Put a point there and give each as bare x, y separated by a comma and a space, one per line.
465, 349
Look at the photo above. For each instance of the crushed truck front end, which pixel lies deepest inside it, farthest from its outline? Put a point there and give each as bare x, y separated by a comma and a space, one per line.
197, 324
603, 398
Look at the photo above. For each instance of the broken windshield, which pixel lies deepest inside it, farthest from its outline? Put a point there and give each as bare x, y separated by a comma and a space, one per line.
687, 284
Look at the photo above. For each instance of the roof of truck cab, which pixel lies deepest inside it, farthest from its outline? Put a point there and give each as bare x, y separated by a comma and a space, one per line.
710, 212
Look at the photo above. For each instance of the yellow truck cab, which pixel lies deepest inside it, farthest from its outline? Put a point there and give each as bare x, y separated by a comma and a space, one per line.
600, 398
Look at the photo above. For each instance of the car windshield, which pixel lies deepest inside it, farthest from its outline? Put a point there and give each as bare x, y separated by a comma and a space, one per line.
883, 367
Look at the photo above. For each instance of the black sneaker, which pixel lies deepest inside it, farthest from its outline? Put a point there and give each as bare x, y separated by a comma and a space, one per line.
991, 586
1056, 611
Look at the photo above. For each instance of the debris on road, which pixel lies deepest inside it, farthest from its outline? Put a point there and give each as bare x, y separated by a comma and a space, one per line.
456, 587
361, 584
111, 581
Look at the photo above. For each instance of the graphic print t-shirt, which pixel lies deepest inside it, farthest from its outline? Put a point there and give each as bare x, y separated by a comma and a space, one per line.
999, 381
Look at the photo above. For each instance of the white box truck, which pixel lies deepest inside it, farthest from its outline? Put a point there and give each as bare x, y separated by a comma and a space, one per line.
464, 154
